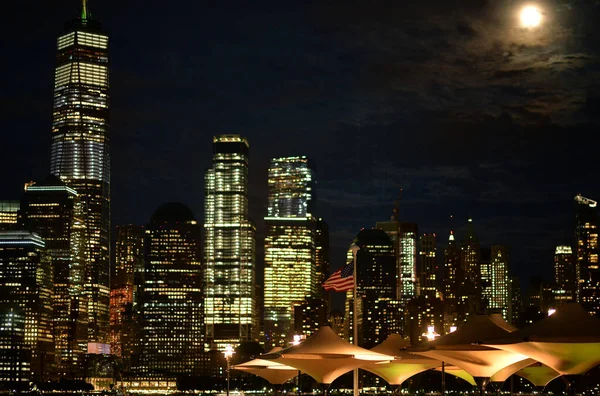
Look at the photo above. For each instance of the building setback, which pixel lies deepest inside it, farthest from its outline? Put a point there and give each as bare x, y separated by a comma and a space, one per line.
80, 151
231, 314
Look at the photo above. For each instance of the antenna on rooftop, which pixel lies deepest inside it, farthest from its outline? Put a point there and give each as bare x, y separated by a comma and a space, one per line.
396, 210
84, 11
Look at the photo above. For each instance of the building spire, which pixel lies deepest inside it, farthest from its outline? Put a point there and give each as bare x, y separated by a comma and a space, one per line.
84, 10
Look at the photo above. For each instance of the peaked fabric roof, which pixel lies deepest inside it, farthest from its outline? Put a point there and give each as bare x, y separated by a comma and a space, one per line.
571, 323
463, 347
275, 373
538, 374
477, 329
459, 373
404, 366
507, 371
325, 356
393, 345
567, 341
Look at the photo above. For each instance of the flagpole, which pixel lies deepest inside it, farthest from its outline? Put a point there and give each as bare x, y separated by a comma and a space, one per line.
355, 250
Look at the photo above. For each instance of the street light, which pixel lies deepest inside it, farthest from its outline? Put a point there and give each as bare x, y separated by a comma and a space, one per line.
228, 353
297, 340
432, 335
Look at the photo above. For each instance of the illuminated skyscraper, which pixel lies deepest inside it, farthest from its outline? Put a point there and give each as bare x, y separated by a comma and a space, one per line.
290, 245
565, 275
407, 271
26, 287
129, 265
495, 275
80, 152
428, 266
9, 214
229, 246
172, 333
54, 211
586, 253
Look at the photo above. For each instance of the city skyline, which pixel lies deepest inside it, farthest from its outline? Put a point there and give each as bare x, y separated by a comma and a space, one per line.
508, 189
87, 293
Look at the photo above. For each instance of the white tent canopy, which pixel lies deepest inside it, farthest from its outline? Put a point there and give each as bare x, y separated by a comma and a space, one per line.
567, 341
507, 371
459, 373
462, 348
404, 366
538, 374
325, 356
275, 373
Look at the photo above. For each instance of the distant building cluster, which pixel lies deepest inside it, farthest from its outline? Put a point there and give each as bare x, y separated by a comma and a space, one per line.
166, 297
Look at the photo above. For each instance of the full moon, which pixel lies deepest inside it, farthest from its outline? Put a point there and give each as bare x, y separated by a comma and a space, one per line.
531, 17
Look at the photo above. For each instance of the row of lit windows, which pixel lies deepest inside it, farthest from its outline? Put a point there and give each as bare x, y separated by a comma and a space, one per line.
79, 72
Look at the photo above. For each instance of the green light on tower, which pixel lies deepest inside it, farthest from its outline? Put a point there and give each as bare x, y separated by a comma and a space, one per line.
84, 14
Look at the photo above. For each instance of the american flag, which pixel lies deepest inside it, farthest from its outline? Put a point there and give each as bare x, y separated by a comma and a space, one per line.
341, 280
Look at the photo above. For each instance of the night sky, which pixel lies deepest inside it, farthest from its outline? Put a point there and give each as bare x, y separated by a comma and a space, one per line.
452, 101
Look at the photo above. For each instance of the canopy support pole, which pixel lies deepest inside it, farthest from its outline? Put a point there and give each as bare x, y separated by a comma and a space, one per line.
355, 250
443, 378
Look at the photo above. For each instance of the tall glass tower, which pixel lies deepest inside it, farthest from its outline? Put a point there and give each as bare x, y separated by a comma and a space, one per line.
586, 253
80, 151
53, 210
495, 275
290, 245
407, 270
229, 246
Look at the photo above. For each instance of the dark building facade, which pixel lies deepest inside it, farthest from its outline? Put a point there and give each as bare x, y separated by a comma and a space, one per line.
172, 330
427, 266
54, 211
376, 267
15, 355
80, 151
126, 277
565, 275
451, 283
470, 264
